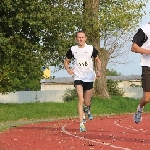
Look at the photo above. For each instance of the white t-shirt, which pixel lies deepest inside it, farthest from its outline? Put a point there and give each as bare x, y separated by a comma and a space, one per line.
145, 59
83, 64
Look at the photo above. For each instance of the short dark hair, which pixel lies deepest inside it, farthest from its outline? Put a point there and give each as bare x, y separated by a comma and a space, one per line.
81, 31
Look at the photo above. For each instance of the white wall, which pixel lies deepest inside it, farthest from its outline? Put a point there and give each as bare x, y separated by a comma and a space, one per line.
135, 92
33, 96
45, 87
54, 96
123, 84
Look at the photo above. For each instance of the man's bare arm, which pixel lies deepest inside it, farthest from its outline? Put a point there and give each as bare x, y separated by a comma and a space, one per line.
98, 66
135, 48
66, 64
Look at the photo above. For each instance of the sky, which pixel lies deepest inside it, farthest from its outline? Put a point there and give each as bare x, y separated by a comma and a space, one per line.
132, 68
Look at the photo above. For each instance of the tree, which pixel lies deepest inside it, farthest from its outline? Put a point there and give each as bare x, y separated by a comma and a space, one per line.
118, 22
21, 29
38, 33
59, 35
32, 34
104, 21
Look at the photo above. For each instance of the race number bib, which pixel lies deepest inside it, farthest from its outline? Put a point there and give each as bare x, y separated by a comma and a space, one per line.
83, 63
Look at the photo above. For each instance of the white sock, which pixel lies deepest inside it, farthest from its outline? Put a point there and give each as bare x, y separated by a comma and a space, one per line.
81, 123
83, 117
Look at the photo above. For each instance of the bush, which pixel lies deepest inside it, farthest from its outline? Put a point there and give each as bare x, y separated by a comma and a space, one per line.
69, 95
135, 85
113, 88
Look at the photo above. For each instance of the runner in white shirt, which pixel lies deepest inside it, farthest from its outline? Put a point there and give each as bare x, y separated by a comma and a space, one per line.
141, 44
83, 72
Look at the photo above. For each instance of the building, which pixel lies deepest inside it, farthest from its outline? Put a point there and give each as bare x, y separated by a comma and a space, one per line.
64, 83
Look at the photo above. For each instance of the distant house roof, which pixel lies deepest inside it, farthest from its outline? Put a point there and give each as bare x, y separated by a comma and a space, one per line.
70, 79
124, 78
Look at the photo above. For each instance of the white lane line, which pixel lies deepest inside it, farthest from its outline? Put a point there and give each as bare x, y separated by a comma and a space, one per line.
129, 128
97, 142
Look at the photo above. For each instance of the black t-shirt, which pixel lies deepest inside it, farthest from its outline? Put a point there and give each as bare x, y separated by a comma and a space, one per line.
69, 54
140, 37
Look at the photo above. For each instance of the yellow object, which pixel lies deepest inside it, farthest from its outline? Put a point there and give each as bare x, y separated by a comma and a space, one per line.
46, 73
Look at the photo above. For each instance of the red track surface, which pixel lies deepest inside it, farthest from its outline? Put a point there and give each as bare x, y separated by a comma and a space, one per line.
104, 133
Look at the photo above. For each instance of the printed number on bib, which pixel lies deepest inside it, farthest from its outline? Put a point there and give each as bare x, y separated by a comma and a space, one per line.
82, 63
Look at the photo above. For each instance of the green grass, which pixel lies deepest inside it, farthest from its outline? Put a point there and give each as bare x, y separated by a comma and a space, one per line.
40, 111
117, 105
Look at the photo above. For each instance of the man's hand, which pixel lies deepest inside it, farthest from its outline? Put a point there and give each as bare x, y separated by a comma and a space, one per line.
70, 71
98, 73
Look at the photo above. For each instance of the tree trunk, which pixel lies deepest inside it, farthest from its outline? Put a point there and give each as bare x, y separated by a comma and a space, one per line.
100, 86
91, 26
90, 21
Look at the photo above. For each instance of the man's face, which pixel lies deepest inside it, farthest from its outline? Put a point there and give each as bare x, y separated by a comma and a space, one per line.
81, 38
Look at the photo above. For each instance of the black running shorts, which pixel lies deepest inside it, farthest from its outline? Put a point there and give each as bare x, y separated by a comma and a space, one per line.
85, 85
145, 78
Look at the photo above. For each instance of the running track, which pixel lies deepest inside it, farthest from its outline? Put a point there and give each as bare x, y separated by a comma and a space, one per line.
104, 133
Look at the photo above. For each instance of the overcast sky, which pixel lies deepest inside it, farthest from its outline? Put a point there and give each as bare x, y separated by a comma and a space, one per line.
132, 68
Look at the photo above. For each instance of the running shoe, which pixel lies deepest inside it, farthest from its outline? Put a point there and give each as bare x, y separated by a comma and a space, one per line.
90, 117
138, 117
82, 128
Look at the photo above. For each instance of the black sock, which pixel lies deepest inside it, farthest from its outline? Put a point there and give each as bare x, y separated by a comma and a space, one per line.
89, 107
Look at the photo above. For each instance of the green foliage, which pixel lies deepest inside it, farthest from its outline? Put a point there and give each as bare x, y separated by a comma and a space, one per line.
70, 95
21, 28
113, 88
112, 73
120, 15
119, 20
134, 85
32, 34
38, 33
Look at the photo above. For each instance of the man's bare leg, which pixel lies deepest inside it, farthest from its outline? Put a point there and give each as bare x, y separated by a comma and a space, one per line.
79, 89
